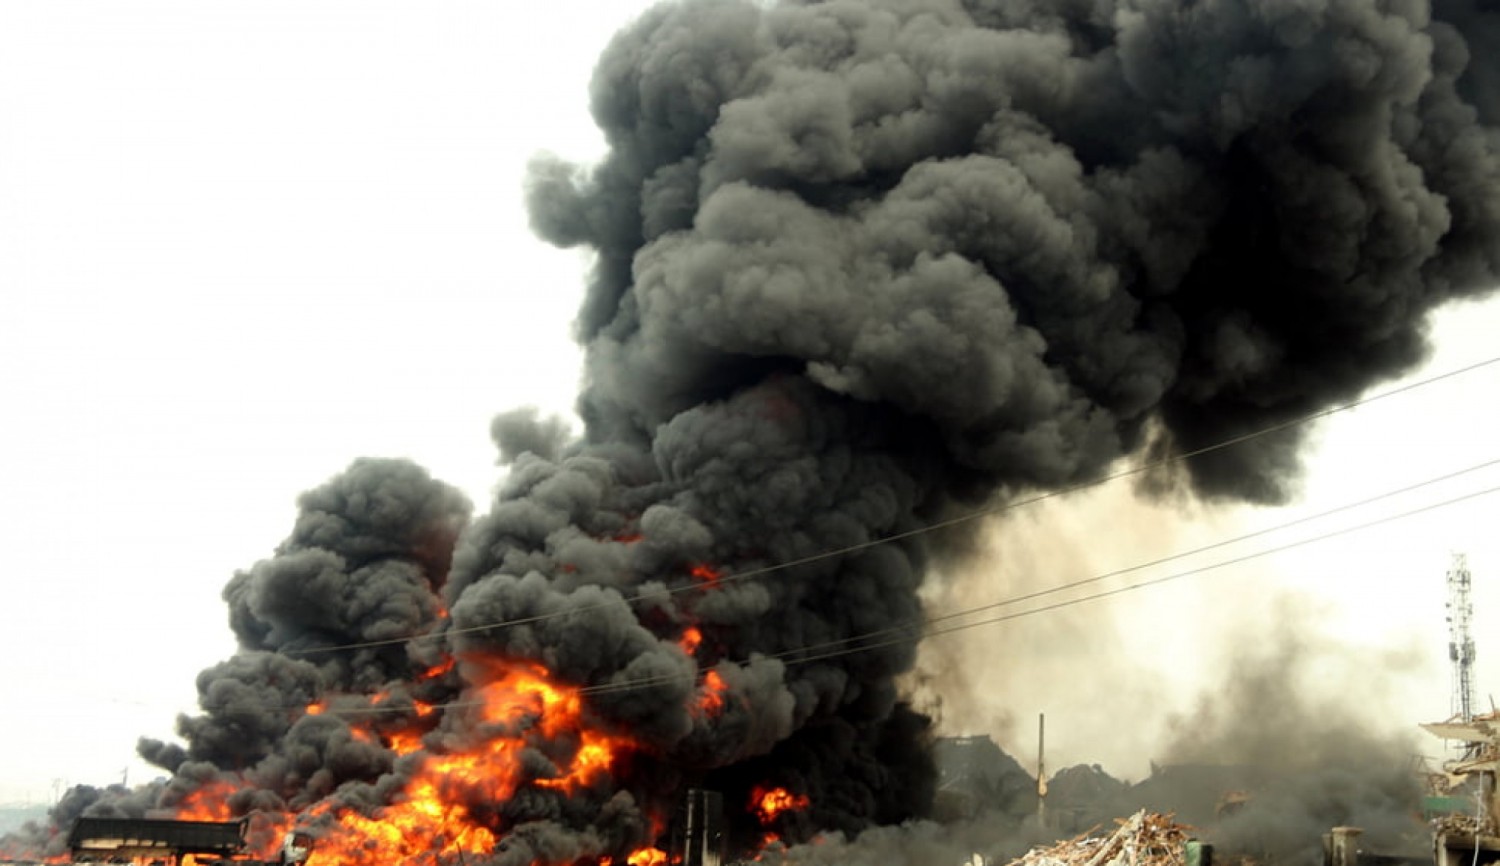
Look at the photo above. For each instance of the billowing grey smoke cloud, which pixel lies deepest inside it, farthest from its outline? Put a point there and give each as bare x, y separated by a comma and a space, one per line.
37, 840
523, 431
860, 264
364, 564
769, 475
1037, 228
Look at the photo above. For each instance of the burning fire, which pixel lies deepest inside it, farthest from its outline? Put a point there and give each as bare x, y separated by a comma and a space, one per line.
518, 708
436, 670
208, 802
517, 711
648, 857
513, 708
402, 739
691, 639
711, 699
770, 803
405, 742
522, 729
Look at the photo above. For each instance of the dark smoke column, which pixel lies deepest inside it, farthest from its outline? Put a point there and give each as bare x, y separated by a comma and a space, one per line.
860, 264
1036, 226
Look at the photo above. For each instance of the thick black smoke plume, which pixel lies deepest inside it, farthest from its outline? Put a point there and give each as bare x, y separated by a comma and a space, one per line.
1034, 228
860, 265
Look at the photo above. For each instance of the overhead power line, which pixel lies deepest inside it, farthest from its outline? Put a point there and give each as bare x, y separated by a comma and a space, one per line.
1184, 554
1183, 574
891, 637
934, 627
921, 530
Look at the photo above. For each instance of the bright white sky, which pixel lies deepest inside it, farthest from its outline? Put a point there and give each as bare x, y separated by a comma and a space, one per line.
244, 242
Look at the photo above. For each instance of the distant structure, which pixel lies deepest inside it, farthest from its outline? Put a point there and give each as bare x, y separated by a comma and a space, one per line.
1460, 640
1467, 836
1041, 769
698, 831
975, 776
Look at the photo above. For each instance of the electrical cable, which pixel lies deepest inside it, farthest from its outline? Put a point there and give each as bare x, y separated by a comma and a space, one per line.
1041, 593
918, 630
1189, 573
927, 528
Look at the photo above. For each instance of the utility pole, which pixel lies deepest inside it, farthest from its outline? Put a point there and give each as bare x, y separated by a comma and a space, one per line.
1041, 769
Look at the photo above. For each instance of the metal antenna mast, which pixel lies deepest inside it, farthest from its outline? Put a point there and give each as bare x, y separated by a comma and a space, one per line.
1460, 641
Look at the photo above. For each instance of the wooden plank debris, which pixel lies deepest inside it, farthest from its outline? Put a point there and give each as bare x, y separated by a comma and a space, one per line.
1143, 839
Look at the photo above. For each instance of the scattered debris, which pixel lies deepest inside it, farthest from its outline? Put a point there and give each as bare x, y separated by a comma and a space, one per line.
1232, 802
1458, 824
1144, 839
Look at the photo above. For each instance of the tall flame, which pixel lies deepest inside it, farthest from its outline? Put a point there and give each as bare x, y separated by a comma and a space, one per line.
513, 708
517, 708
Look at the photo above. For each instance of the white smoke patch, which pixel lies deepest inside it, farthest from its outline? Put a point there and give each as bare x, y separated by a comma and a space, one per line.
1109, 673
1288, 695
1146, 677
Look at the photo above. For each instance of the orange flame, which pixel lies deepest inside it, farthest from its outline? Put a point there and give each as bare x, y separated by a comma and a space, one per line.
208, 802
519, 708
647, 857
769, 803
711, 700
706, 573
407, 738
691, 639
514, 708
404, 742
436, 670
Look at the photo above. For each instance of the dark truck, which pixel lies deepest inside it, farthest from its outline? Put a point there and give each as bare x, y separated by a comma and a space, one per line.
210, 842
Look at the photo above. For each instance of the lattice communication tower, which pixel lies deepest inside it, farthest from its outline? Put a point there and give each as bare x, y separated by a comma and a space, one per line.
1460, 640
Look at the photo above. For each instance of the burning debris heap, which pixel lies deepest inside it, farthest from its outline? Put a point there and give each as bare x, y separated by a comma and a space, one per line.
1144, 839
1458, 824
860, 267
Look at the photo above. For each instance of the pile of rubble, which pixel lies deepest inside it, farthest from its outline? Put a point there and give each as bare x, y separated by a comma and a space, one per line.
1462, 825
1144, 839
